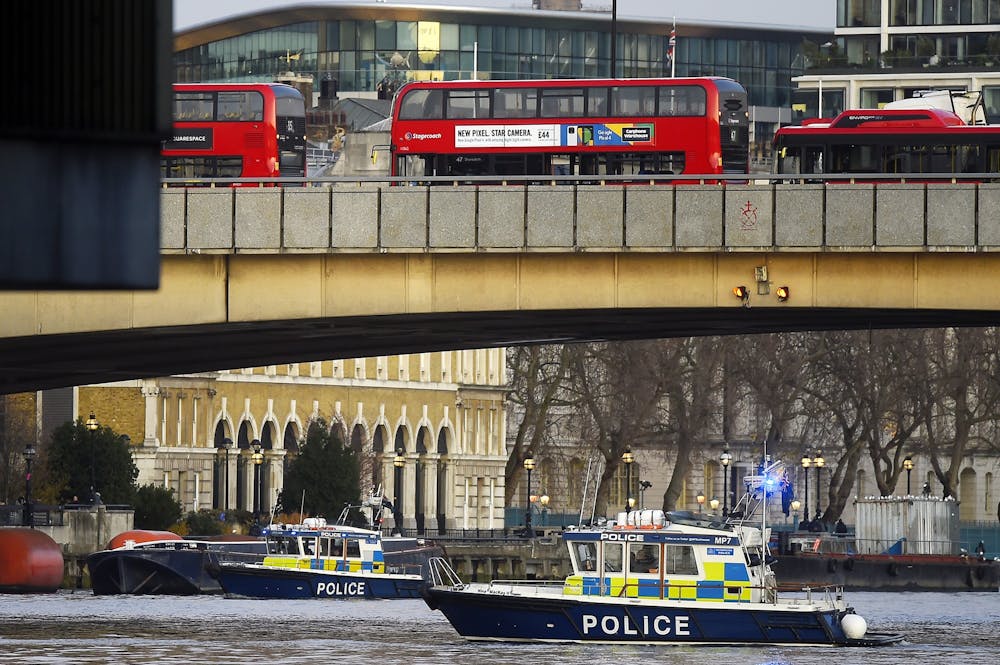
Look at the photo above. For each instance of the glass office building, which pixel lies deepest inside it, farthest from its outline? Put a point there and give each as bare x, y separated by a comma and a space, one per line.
363, 46
888, 50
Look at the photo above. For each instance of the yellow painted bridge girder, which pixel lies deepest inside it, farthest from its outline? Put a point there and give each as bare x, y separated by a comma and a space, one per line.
231, 288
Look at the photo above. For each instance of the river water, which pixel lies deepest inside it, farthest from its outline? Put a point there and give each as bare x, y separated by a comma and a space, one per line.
78, 627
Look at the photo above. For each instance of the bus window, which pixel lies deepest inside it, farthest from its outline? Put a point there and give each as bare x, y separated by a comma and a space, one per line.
422, 104
943, 159
787, 161
468, 104
193, 107
240, 107
992, 160
597, 101
515, 102
680, 100
633, 101
562, 103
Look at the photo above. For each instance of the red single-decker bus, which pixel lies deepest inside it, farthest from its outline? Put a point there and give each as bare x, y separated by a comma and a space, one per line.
869, 143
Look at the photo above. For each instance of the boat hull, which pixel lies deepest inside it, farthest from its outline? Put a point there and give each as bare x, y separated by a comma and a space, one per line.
538, 618
888, 573
181, 572
258, 581
176, 568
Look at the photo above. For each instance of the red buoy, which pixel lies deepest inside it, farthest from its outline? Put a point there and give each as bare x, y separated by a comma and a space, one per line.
137, 536
30, 561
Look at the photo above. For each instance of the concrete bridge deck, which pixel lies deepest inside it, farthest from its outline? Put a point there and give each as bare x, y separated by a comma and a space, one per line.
254, 276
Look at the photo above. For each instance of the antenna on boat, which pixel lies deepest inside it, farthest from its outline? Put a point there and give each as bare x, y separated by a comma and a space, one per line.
302, 506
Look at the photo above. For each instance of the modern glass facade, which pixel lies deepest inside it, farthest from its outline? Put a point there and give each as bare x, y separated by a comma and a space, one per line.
887, 50
917, 33
363, 47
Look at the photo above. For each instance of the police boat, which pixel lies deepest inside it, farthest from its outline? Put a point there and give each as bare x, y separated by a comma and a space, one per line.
656, 578
316, 560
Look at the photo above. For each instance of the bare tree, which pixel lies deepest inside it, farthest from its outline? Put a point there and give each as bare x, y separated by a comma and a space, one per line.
959, 397
538, 375
619, 387
693, 378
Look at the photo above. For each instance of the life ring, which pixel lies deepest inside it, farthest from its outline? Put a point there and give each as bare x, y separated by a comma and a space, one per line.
893, 570
849, 564
831, 565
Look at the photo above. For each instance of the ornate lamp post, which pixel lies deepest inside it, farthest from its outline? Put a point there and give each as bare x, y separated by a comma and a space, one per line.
92, 426
529, 464
725, 459
818, 462
28, 518
806, 463
258, 459
701, 501
714, 503
795, 505
908, 465
544, 500
397, 510
628, 457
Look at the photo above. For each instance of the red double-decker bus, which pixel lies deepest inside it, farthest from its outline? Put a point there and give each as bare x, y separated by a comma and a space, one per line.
866, 143
236, 130
571, 127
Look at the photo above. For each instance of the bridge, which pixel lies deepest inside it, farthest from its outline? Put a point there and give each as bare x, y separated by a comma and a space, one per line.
339, 269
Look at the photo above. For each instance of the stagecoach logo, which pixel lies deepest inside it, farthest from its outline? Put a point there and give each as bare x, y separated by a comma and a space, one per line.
410, 136
748, 217
190, 139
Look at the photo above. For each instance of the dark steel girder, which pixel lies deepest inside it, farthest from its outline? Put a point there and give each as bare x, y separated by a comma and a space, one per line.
49, 361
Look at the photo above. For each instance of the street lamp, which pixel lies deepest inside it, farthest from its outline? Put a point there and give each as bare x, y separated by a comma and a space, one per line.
92, 426
544, 500
29, 454
258, 459
643, 486
806, 463
223, 454
701, 501
529, 464
818, 462
908, 465
397, 512
628, 457
714, 503
795, 505
725, 459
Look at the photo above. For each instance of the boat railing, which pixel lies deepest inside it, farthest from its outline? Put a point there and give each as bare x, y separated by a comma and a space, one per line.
809, 595
768, 594
525, 587
440, 573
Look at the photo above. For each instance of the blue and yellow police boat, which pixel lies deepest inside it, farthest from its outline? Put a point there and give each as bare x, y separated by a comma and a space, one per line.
316, 560
655, 578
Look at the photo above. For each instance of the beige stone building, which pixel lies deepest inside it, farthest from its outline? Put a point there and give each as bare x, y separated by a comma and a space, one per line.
197, 433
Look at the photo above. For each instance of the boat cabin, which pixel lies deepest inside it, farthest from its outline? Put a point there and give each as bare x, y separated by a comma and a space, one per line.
317, 546
648, 554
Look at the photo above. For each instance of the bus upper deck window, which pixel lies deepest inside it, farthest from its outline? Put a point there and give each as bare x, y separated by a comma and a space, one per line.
422, 104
